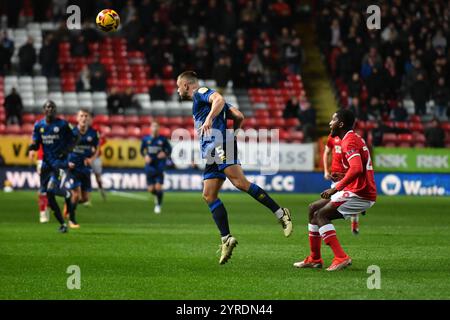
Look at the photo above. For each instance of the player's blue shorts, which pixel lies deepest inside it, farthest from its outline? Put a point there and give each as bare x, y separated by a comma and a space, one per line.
79, 178
218, 162
49, 174
154, 175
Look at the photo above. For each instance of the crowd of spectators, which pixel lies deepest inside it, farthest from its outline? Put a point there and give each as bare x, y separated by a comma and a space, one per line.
375, 70
251, 42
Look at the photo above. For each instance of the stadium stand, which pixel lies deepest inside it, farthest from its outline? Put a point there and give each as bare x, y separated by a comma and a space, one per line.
263, 58
377, 73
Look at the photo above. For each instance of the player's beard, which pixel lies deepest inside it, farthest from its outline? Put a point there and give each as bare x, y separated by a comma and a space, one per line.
333, 132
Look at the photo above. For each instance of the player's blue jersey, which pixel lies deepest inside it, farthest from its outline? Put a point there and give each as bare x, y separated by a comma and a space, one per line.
151, 146
85, 148
57, 138
200, 109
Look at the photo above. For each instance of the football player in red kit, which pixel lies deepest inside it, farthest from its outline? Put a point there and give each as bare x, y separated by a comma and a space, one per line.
337, 171
354, 193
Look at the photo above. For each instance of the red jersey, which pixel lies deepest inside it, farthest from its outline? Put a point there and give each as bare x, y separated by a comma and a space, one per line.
336, 154
363, 184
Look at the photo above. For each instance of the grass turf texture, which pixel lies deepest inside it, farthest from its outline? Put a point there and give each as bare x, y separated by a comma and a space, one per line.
125, 251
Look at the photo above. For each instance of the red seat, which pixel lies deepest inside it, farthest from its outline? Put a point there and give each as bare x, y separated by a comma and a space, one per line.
370, 125
402, 125
445, 126
105, 130
263, 123
101, 119
283, 135
27, 128
118, 131
295, 136
292, 122
261, 113
13, 129
418, 137
360, 125
72, 118
416, 126
188, 122
145, 120
405, 140
133, 131
278, 123
176, 121
249, 123
415, 118
2, 128
163, 121
132, 120
390, 138
165, 132
146, 131
117, 120
28, 118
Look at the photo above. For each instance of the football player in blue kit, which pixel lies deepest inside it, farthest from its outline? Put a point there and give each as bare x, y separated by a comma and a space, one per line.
220, 151
155, 149
57, 139
79, 162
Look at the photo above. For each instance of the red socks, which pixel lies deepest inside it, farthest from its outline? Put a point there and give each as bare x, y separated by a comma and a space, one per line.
328, 234
315, 241
42, 202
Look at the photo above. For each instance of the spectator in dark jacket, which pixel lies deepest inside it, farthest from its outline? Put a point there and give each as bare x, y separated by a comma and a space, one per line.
292, 108
6, 52
354, 86
420, 94
441, 97
158, 91
79, 47
307, 118
399, 113
13, 107
27, 58
435, 135
129, 100
114, 102
222, 74
48, 57
98, 82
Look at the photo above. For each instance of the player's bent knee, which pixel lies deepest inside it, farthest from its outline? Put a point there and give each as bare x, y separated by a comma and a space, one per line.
209, 197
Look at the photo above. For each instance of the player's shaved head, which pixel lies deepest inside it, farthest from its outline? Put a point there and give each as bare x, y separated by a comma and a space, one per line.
49, 110
189, 76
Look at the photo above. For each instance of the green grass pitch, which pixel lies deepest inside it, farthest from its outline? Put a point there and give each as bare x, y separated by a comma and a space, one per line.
125, 251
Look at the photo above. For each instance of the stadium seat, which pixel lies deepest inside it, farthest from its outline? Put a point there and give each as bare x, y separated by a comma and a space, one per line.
27, 128
13, 129
416, 126
405, 140
2, 128
117, 120
145, 121
28, 118
133, 131
292, 123
118, 131
389, 138
101, 119
402, 125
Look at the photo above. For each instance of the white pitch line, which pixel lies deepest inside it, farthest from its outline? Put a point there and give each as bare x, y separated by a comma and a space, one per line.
129, 195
